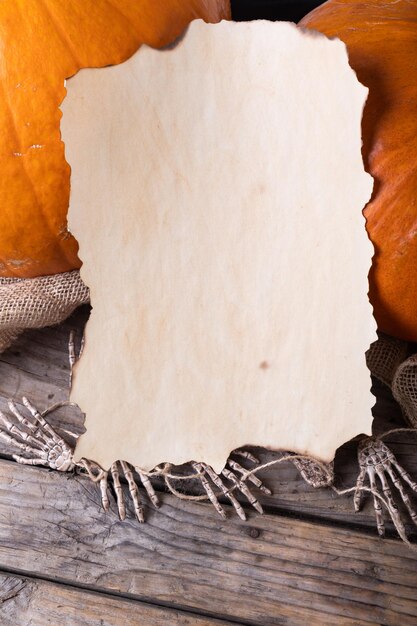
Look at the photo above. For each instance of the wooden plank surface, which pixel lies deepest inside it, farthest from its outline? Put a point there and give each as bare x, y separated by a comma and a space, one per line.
34, 602
269, 570
37, 366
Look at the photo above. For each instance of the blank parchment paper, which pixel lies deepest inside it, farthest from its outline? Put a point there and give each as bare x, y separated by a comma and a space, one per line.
217, 191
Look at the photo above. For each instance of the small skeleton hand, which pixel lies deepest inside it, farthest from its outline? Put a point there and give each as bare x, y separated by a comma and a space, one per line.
97, 474
34, 436
314, 473
236, 475
377, 461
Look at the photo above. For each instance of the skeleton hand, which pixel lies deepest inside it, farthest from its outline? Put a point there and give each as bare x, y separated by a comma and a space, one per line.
36, 437
236, 475
314, 473
97, 474
377, 461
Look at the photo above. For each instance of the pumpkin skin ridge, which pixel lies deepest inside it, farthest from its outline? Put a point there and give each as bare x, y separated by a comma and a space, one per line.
34, 194
381, 40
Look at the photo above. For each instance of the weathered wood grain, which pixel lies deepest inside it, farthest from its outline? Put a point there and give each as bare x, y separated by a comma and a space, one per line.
37, 366
33, 602
269, 570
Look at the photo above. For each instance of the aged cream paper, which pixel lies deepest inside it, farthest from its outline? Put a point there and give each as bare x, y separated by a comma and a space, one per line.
216, 194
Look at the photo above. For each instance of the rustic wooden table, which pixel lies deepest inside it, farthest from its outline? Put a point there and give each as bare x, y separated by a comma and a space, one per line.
309, 560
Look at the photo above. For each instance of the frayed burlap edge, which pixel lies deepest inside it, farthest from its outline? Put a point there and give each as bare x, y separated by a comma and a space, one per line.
404, 389
38, 302
389, 361
384, 357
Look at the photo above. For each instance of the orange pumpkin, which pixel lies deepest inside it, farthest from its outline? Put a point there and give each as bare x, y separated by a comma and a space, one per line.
43, 42
381, 38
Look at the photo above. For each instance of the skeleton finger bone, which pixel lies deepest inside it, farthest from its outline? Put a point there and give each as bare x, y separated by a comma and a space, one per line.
393, 508
24, 461
55, 407
377, 504
385, 487
148, 488
404, 496
101, 476
251, 477
246, 455
404, 475
357, 498
24, 447
220, 485
40, 419
134, 492
71, 354
244, 489
36, 431
200, 469
72, 357
21, 436
104, 491
118, 490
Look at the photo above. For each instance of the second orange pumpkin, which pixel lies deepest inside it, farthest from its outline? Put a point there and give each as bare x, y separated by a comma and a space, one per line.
381, 39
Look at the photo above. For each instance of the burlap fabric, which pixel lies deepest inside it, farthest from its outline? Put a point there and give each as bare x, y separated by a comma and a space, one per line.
37, 302
390, 361
48, 300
